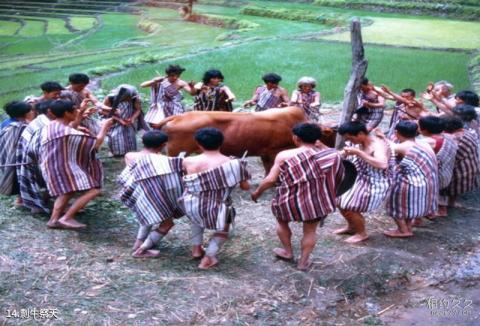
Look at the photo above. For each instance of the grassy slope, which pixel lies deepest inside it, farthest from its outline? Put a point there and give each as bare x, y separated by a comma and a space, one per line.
8, 27
422, 33
328, 62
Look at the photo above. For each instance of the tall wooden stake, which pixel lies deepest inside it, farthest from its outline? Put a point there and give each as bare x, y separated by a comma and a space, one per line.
359, 68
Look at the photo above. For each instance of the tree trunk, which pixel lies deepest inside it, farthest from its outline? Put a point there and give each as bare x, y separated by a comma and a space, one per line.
359, 68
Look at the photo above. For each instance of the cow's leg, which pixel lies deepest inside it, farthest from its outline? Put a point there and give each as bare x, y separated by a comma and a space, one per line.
267, 161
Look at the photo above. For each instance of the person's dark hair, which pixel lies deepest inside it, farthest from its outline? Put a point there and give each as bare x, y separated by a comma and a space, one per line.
43, 106
469, 97
212, 73
352, 128
410, 91
17, 109
51, 86
365, 81
174, 70
60, 107
432, 124
272, 78
79, 79
209, 138
452, 123
308, 132
465, 112
154, 139
407, 129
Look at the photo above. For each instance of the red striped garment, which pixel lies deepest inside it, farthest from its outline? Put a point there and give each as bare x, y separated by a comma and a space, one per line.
414, 186
122, 139
9, 137
165, 100
446, 160
91, 123
68, 160
466, 170
206, 197
370, 188
305, 100
212, 99
373, 116
151, 187
30, 179
307, 185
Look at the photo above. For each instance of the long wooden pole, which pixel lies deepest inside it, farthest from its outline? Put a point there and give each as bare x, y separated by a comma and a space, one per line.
359, 69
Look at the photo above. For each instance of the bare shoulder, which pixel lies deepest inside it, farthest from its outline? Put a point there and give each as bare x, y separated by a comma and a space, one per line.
286, 154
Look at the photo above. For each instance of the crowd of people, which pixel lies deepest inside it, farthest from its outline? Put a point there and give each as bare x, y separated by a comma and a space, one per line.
416, 169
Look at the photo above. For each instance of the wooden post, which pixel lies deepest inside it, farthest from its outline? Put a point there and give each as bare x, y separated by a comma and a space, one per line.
359, 68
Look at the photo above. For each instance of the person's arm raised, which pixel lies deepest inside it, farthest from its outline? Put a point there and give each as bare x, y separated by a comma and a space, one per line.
149, 83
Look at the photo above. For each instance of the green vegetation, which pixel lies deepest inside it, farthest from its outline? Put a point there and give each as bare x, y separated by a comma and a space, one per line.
8, 28
82, 23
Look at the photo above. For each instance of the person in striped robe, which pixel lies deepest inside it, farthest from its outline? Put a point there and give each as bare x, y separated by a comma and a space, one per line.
165, 95
466, 168
21, 114
151, 185
414, 185
307, 178
370, 106
51, 90
125, 102
269, 96
307, 97
445, 148
32, 186
210, 178
211, 94
69, 165
469, 117
371, 156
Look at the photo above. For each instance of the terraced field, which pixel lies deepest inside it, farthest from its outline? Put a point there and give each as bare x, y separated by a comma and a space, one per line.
122, 41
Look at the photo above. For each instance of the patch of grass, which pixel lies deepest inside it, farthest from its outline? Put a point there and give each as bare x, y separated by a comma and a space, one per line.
9, 27
421, 33
56, 26
329, 63
33, 28
82, 23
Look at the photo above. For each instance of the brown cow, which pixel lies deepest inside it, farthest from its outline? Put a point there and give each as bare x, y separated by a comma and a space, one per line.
262, 134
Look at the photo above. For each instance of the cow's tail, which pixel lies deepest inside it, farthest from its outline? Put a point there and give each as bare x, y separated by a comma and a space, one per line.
162, 123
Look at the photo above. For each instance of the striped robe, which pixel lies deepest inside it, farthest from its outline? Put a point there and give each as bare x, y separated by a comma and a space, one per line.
212, 99
166, 100
151, 187
30, 177
68, 160
374, 116
370, 188
206, 198
9, 137
414, 186
122, 139
446, 159
305, 100
267, 99
466, 168
307, 185
91, 123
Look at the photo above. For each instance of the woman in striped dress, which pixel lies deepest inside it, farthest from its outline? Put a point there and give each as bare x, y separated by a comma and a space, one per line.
165, 95
211, 94
414, 185
466, 168
370, 106
125, 103
445, 148
371, 156
269, 96
307, 98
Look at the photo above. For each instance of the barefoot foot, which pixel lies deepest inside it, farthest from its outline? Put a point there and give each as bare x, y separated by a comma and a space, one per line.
345, 230
283, 254
356, 238
304, 264
71, 224
198, 252
140, 253
53, 224
208, 262
137, 244
397, 234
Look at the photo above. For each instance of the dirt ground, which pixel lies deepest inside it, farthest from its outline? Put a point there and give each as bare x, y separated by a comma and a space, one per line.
90, 278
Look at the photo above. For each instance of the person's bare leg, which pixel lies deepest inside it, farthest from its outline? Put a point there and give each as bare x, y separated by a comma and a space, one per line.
357, 221
68, 220
285, 235
216, 243
145, 251
18, 201
197, 241
349, 229
402, 230
142, 235
452, 201
309, 241
58, 208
